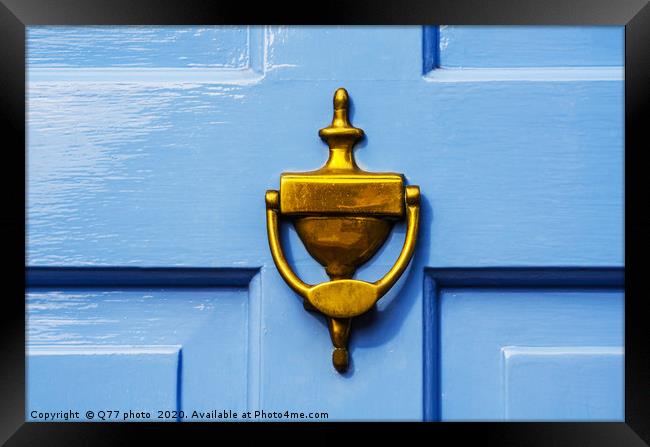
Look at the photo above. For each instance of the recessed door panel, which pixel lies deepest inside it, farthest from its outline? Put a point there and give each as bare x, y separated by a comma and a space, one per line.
531, 354
161, 348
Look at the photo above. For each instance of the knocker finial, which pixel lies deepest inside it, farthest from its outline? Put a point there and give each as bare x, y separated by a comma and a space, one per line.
340, 135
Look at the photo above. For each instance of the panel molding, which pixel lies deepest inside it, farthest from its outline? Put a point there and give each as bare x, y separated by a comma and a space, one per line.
117, 277
554, 357
527, 276
536, 74
254, 385
47, 350
436, 279
430, 48
46, 378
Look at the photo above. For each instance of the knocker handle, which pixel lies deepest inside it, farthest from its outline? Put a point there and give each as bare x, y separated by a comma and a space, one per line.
344, 298
272, 211
412, 199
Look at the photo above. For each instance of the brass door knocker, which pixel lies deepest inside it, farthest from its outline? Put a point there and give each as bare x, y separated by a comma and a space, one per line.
342, 214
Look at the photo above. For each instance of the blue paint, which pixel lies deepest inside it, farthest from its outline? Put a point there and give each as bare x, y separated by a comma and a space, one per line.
431, 351
531, 46
479, 324
179, 387
138, 46
84, 343
98, 197
564, 383
343, 53
541, 280
146, 226
430, 48
524, 277
136, 277
113, 379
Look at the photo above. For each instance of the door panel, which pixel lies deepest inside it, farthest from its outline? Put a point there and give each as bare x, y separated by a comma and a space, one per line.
146, 175
113, 379
501, 350
140, 347
530, 46
139, 46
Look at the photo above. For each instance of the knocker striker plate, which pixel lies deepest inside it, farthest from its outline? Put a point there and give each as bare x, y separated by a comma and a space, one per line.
343, 215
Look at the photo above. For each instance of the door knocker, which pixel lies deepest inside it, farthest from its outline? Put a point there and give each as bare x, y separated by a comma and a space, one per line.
343, 215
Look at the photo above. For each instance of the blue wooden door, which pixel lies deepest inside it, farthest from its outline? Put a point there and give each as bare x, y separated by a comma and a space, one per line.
151, 290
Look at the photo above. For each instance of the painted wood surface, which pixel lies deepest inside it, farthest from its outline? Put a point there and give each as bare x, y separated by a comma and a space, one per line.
113, 381
570, 383
531, 46
138, 46
143, 348
98, 194
165, 166
531, 345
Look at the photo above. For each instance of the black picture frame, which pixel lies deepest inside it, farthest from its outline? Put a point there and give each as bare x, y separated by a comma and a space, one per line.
634, 14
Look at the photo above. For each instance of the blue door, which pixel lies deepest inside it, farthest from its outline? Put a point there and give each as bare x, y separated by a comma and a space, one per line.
152, 294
